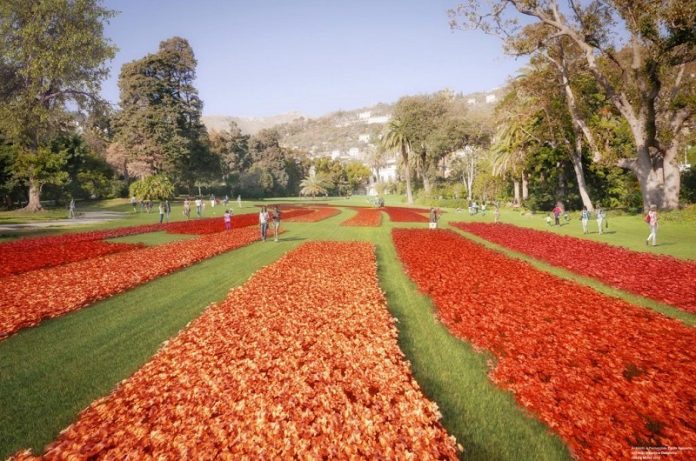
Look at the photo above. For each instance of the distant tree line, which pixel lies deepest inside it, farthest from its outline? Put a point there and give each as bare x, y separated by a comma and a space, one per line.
59, 140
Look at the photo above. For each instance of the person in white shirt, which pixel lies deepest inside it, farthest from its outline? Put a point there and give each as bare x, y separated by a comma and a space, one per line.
263, 222
651, 219
199, 206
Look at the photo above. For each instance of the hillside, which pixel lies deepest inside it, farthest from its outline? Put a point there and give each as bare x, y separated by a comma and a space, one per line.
345, 133
248, 125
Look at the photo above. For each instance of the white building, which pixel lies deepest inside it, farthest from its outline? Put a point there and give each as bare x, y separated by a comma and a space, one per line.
471, 101
364, 115
364, 138
378, 119
490, 98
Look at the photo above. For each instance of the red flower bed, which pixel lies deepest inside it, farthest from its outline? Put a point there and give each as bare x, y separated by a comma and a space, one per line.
28, 254
301, 362
27, 299
604, 374
367, 217
399, 214
314, 215
662, 278
16, 260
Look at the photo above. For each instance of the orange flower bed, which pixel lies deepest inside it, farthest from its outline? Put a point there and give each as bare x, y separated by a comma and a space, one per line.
301, 362
402, 214
365, 217
26, 299
662, 278
17, 260
317, 214
604, 374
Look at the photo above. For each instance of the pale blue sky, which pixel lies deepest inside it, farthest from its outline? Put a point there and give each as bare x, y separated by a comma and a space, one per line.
265, 57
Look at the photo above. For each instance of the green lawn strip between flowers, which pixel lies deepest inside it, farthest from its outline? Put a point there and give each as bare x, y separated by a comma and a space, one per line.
48, 374
664, 309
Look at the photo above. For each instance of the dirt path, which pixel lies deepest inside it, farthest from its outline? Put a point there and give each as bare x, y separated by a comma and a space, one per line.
83, 218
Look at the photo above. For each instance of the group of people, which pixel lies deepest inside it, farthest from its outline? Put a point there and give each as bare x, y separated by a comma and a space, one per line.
273, 217
600, 216
143, 205
602, 223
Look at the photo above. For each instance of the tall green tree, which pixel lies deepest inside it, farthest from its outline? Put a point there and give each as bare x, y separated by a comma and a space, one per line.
232, 148
315, 184
396, 138
270, 160
160, 125
52, 57
645, 70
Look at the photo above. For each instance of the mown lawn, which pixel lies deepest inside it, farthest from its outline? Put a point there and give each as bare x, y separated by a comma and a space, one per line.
51, 372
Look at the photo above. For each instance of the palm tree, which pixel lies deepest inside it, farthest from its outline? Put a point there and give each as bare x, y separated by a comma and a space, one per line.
396, 139
314, 184
509, 154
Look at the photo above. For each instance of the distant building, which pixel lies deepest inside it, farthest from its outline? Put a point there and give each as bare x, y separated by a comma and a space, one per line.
354, 152
364, 138
364, 115
378, 119
490, 98
471, 101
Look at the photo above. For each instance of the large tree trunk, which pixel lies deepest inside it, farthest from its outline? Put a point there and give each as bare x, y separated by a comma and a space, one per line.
525, 186
426, 184
516, 188
659, 178
407, 170
672, 178
34, 204
576, 158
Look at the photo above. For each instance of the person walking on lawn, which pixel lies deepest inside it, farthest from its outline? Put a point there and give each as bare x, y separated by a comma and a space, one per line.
167, 210
651, 219
585, 219
557, 215
276, 222
228, 220
600, 217
263, 222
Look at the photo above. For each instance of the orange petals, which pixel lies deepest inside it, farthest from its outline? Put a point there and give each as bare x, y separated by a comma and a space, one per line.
301, 361
602, 373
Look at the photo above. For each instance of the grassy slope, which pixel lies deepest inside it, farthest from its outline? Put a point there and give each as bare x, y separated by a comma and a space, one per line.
49, 373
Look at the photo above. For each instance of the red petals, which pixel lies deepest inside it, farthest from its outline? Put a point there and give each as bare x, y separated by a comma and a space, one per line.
604, 374
16, 260
27, 299
300, 362
400, 214
315, 215
35, 253
662, 278
365, 217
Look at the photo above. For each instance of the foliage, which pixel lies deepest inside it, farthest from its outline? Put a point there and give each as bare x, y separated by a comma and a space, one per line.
315, 184
52, 56
155, 187
159, 125
688, 189
357, 175
638, 54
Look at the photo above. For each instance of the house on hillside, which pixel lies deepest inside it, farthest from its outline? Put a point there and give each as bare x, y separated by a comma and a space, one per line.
388, 173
